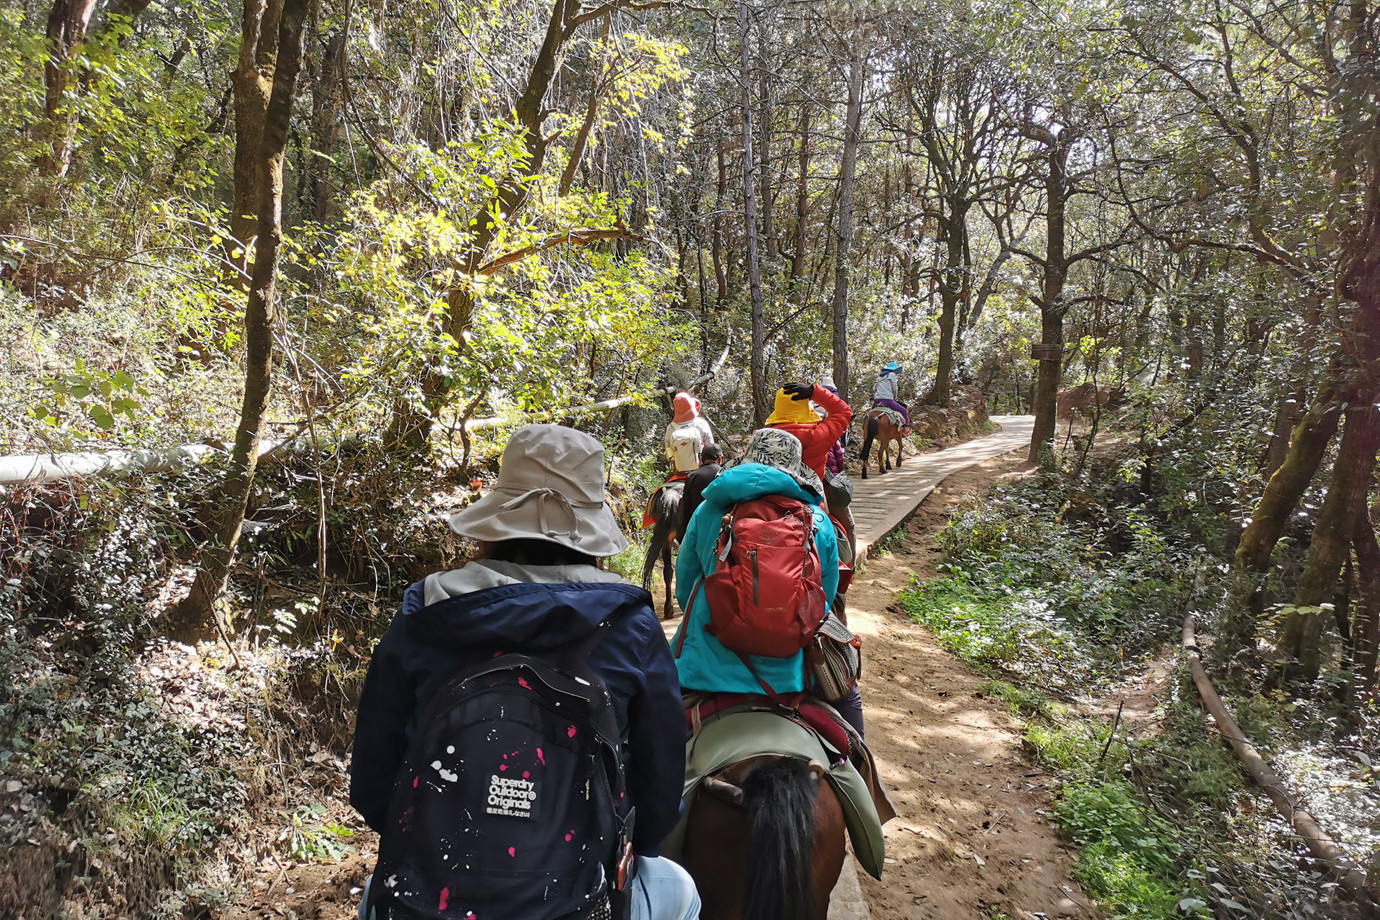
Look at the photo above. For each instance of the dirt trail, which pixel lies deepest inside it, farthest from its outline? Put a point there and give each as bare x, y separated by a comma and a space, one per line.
969, 843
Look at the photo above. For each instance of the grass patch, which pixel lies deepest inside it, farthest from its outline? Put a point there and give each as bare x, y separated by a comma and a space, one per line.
1024, 702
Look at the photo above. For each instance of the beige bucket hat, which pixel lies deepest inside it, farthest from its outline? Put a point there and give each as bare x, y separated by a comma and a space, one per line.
550, 487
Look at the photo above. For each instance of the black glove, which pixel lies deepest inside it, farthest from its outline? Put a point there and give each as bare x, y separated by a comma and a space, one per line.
798, 391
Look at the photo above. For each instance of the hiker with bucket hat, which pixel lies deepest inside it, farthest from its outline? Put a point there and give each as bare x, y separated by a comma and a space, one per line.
534, 591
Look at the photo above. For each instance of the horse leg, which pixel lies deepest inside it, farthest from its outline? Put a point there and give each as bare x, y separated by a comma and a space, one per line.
869, 432
653, 551
667, 574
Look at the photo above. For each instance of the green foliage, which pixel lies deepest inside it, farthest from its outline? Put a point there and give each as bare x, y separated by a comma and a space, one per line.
1014, 632
1125, 887
101, 395
1043, 576
1024, 702
308, 838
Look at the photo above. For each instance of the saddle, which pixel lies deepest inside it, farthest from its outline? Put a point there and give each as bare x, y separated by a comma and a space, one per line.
728, 728
674, 481
891, 415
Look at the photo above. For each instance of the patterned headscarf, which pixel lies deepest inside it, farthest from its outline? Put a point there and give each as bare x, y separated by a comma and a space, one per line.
780, 450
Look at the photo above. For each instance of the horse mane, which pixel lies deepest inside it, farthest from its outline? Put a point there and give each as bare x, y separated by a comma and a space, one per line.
780, 797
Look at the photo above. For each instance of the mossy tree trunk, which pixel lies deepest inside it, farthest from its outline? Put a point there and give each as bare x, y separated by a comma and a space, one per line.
1256, 547
232, 499
253, 82
1332, 537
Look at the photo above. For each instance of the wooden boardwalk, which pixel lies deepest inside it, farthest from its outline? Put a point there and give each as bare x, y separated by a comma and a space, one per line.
882, 503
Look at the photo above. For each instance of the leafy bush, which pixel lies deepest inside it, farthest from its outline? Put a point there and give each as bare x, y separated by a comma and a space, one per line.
1040, 581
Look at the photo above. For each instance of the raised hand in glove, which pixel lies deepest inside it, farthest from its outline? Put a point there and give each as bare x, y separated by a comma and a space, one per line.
798, 391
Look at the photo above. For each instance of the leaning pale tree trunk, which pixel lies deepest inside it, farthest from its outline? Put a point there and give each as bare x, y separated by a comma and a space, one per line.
198, 609
757, 361
843, 246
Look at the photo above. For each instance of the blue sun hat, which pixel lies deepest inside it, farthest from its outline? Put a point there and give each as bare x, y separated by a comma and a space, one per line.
892, 368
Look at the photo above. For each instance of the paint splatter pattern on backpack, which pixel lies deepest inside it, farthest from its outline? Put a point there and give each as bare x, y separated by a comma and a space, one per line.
511, 800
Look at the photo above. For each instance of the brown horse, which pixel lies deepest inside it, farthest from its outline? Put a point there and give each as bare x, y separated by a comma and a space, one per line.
877, 425
765, 841
665, 511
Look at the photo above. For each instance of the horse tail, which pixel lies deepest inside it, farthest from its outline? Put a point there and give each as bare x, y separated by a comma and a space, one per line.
780, 797
869, 434
666, 512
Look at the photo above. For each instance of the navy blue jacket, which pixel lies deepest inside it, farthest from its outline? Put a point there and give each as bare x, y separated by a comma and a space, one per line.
425, 644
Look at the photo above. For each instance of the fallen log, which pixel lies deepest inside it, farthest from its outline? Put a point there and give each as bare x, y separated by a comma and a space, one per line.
22, 469
1348, 874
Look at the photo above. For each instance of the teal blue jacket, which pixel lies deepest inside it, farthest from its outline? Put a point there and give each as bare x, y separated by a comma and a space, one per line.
703, 663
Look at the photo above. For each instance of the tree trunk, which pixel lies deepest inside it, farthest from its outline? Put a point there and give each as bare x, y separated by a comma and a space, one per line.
843, 247
951, 290
68, 22
717, 237
764, 124
1332, 536
802, 201
757, 361
1052, 306
253, 82
1365, 624
581, 141
198, 609
325, 122
1257, 544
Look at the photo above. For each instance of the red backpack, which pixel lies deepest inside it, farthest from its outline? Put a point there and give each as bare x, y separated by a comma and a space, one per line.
766, 595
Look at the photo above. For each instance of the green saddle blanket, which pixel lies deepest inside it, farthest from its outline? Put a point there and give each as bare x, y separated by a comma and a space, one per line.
735, 735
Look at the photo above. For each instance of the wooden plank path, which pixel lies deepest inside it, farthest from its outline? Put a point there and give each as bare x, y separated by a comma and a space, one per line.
882, 503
